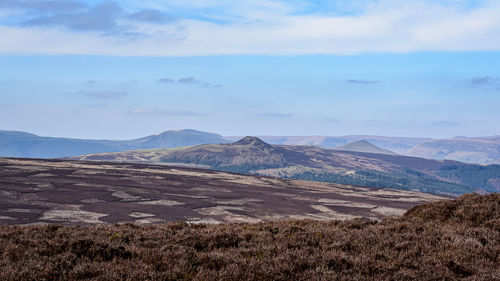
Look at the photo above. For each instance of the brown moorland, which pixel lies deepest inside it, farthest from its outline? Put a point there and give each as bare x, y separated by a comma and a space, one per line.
447, 240
36, 191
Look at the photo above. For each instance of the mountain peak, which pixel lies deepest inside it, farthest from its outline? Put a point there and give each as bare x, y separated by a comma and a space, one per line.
252, 141
363, 146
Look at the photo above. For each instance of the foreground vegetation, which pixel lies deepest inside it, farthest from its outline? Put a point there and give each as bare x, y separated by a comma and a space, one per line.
448, 240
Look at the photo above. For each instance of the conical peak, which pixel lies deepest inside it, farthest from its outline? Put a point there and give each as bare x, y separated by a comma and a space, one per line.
362, 142
252, 141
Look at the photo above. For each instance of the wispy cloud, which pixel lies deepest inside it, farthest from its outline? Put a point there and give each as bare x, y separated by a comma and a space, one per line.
151, 16
189, 81
275, 115
362, 82
485, 82
157, 111
43, 5
99, 18
106, 94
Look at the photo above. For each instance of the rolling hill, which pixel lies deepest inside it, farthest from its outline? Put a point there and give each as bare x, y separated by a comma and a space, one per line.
21, 144
251, 155
484, 150
472, 150
397, 144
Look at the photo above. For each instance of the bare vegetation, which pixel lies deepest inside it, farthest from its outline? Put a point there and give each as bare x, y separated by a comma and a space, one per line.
449, 240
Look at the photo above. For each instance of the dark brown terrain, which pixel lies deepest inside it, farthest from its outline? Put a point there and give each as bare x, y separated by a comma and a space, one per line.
82, 192
449, 240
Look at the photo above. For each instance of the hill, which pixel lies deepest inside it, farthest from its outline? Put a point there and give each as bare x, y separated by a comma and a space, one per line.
473, 150
21, 144
253, 156
397, 144
446, 240
79, 192
363, 146
485, 150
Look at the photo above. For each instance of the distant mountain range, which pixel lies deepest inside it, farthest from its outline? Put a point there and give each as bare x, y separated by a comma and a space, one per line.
251, 155
472, 150
485, 150
395, 144
21, 144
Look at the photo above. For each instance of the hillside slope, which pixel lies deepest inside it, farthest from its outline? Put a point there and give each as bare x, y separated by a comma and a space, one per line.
471, 150
20, 144
252, 155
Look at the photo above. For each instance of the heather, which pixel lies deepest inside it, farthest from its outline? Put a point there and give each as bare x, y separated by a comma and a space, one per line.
447, 240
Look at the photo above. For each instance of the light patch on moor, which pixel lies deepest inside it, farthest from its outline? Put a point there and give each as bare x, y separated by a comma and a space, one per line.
239, 202
240, 219
196, 220
43, 185
42, 175
149, 221
331, 214
334, 202
217, 210
162, 203
87, 172
27, 211
6, 218
388, 211
285, 217
249, 181
72, 216
140, 215
201, 189
186, 195
125, 196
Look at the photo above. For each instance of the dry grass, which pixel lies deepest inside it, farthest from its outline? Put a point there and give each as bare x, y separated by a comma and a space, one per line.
448, 240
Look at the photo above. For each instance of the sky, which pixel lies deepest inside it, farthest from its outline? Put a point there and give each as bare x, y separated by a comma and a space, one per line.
120, 70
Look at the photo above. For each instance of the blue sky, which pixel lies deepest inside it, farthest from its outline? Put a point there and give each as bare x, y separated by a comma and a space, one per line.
97, 69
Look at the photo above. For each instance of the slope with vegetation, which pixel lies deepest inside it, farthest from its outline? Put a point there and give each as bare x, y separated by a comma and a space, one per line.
448, 240
254, 156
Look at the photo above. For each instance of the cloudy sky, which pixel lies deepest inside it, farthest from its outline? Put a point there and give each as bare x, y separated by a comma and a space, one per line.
100, 69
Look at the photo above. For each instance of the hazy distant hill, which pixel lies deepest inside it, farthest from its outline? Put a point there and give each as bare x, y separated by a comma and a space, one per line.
178, 138
21, 144
363, 146
396, 144
254, 156
473, 150
484, 150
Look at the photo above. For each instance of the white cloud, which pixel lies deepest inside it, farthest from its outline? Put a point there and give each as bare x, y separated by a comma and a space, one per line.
270, 27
